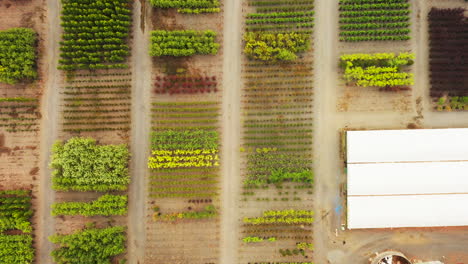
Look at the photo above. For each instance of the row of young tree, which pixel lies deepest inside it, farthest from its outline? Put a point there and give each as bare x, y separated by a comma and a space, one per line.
91, 245
17, 55
183, 43
15, 211
189, 6
275, 46
105, 205
15, 214
378, 70
95, 34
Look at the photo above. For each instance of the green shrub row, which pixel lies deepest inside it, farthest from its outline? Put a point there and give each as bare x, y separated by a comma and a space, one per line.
183, 43
17, 55
105, 205
91, 246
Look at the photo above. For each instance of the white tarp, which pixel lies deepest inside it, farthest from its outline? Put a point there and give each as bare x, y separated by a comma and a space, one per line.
407, 178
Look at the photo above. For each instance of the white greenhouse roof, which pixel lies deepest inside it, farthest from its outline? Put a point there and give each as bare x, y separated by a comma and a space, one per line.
407, 178
407, 211
407, 145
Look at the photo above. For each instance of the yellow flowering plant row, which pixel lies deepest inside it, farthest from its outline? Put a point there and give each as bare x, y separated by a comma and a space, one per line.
289, 217
184, 152
183, 158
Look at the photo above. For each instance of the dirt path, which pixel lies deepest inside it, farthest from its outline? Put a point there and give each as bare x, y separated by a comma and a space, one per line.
141, 105
49, 132
231, 131
325, 152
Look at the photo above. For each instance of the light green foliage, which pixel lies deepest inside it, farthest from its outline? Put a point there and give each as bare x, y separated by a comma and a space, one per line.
256, 239
199, 10
81, 165
454, 103
16, 249
305, 246
183, 43
18, 99
288, 217
189, 6
90, 246
17, 55
184, 3
15, 210
280, 175
184, 140
95, 34
275, 46
276, 168
208, 212
105, 205
377, 70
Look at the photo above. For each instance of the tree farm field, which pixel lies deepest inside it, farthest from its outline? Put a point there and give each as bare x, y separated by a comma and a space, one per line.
20, 132
211, 131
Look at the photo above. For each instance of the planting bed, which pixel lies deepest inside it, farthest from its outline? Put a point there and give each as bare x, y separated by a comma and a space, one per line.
387, 71
16, 239
19, 141
448, 58
277, 134
189, 6
374, 20
183, 208
184, 181
376, 82
98, 103
370, 26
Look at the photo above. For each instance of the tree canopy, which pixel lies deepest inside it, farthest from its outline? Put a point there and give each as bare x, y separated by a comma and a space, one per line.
81, 165
91, 246
17, 55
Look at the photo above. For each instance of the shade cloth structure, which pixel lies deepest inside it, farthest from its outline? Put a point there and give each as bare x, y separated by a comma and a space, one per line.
407, 178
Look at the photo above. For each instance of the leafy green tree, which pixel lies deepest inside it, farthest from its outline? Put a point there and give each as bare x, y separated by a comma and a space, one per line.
106, 205
95, 34
90, 246
17, 55
16, 249
81, 165
275, 46
185, 3
183, 43
15, 210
